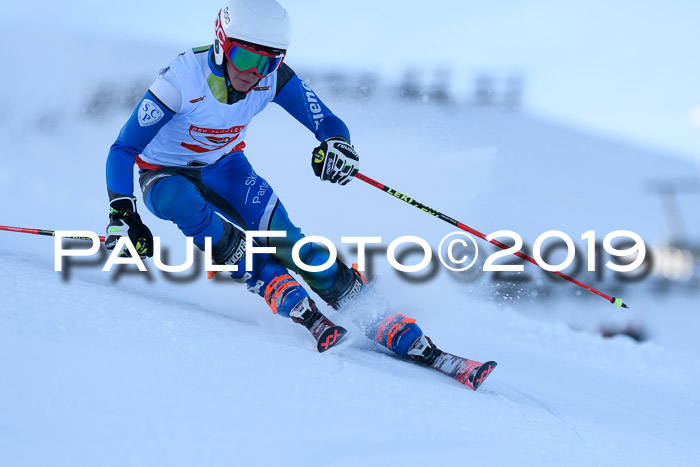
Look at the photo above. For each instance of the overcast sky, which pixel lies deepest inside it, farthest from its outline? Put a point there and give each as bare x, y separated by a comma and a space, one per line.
624, 68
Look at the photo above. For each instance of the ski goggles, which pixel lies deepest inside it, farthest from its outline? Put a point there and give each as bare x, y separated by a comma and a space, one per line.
245, 58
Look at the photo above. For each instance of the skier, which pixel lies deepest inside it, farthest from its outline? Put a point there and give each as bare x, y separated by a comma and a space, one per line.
187, 138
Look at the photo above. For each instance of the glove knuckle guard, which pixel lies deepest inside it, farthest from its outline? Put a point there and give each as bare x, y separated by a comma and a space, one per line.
125, 222
328, 167
335, 160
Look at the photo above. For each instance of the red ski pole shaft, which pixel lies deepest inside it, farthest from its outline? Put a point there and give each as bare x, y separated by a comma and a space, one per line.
50, 233
615, 301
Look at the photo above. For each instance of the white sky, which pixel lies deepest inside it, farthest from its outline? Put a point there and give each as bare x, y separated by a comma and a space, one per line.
626, 68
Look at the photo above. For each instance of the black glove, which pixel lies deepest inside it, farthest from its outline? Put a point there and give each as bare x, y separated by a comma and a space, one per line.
124, 221
335, 160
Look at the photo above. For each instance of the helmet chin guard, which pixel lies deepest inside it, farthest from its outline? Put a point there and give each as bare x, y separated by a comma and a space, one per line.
218, 53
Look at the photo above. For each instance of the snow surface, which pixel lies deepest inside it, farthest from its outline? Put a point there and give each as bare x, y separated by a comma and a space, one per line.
144, 369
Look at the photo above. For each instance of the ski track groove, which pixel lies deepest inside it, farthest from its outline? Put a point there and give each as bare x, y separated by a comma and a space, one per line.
542, 406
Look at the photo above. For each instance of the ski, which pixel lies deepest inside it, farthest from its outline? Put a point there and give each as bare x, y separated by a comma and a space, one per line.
468, 372
326, 333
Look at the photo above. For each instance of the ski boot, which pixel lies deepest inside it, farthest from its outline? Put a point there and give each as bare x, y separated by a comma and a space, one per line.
283, 294
351, 293
286, 297
397, 332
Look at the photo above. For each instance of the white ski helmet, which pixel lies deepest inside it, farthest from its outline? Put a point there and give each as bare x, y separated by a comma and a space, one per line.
260, 22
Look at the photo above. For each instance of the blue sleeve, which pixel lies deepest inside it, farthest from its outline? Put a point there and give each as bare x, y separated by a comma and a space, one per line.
143, 124
299, 100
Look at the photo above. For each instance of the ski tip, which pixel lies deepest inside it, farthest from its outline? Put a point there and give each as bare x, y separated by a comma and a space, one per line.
330, 337
481, 373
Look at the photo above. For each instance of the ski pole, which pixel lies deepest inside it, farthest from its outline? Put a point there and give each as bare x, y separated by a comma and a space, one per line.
615, 301
50, 233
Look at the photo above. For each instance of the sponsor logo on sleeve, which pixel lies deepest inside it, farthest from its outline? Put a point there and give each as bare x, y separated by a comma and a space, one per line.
314, 106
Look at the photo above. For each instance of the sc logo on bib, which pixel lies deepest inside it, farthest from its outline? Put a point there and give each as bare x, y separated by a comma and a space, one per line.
149, 113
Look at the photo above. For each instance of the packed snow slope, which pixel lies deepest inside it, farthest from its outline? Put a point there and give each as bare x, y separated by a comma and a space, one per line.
98, 374
150, 369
